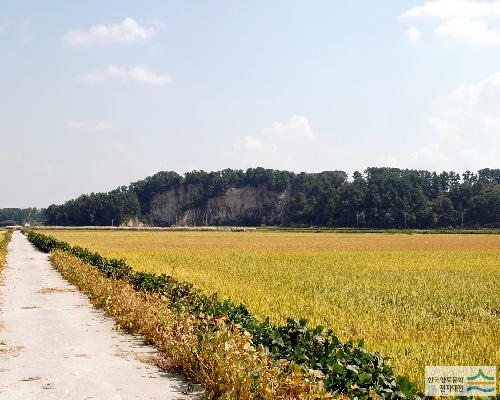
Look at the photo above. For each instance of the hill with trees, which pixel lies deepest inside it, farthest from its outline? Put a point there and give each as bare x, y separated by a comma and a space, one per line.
376, 198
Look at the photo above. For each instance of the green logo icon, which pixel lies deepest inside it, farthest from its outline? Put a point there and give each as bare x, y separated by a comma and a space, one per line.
480, 382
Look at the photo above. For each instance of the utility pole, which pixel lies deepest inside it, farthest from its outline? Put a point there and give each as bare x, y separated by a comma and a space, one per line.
462, 220
112, 222
405, 219
357, 219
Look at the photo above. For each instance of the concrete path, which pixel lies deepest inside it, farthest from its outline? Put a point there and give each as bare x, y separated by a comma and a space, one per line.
55, 345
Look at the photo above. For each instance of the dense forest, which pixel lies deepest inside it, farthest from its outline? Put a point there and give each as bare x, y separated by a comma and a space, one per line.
376, 198
20, 216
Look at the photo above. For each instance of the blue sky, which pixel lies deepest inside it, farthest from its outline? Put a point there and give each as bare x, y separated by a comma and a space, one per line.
97, 94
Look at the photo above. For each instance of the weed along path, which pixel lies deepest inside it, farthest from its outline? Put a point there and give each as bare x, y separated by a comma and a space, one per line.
55, 345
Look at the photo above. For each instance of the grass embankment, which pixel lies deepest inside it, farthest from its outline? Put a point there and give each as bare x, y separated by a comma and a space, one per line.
5, 237
420, 299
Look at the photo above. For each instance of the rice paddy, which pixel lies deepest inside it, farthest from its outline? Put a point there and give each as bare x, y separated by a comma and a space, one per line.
430, 299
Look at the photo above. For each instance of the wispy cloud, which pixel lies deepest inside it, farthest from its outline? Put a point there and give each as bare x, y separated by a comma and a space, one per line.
252, 145
413, 34
127, 31
296, 127
449, 9
465, 127
280, 145
430, 155
98, 126
138, 74
470, 31
294, 131
468, 21
485, 93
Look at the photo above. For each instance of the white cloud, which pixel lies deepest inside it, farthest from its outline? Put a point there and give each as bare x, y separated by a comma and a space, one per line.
413, 34
98, 126
469, 31
296, 127
466, 128
251, 145
483, 93
285, 144
463, 130
487, 158
430, 155
138, 74
127, 31
448, 130
480, 100
450, 9
471, 111
463, 20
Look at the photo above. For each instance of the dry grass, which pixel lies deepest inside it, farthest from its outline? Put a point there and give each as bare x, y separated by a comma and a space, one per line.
217, 354
421, 299
3, 246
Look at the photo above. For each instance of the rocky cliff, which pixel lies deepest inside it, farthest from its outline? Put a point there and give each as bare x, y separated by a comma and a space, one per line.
243, 205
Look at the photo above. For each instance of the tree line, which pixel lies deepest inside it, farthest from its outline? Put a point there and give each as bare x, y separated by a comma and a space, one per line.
20, 216
375, 198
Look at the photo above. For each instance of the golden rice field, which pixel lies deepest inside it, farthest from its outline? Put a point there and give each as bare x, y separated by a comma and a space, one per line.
422, 299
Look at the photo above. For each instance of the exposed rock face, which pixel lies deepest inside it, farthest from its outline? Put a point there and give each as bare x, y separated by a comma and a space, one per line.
133, 223
245, 205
